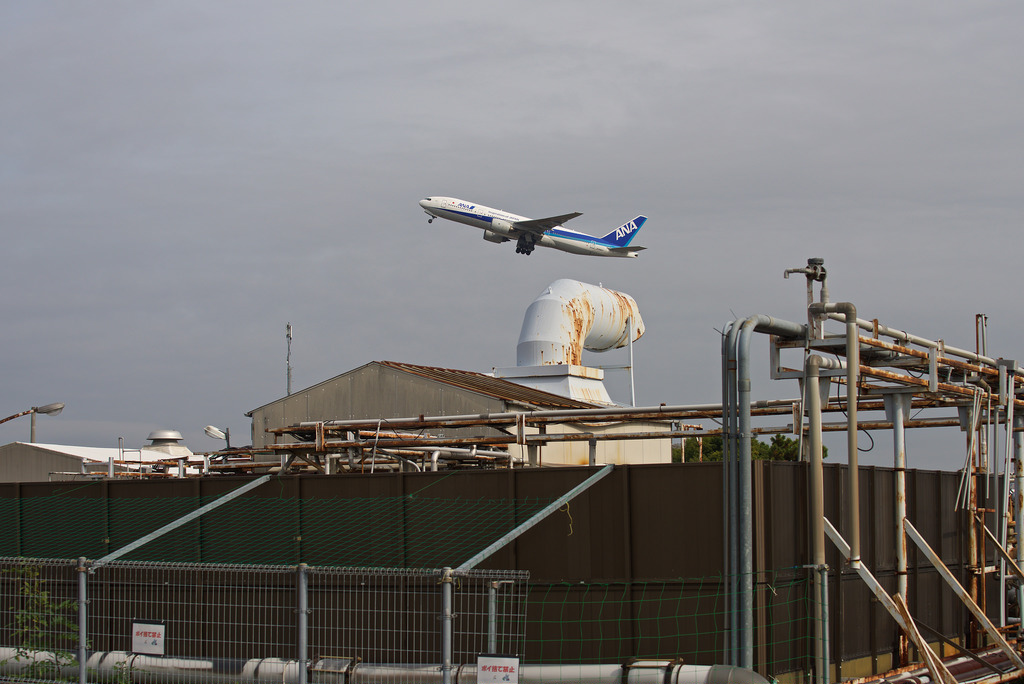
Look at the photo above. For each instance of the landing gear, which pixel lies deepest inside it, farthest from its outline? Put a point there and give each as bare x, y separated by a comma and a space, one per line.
524, 245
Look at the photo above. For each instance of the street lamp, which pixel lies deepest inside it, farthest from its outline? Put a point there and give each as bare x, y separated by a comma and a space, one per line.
217, 433
49, 410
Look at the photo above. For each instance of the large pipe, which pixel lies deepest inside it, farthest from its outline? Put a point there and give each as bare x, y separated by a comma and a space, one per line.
896, 406
773, 326
120, 666
624, 412
737, 457
849, 311
816, 490
1018, 495
729, 499
570, 316
897, 334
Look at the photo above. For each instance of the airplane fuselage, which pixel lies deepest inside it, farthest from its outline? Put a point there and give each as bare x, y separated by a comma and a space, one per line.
501, 226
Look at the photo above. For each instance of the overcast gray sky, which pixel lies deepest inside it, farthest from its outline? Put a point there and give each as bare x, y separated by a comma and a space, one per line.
180, 180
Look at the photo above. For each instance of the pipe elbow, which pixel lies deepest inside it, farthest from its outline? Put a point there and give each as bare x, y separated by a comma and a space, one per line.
848, 309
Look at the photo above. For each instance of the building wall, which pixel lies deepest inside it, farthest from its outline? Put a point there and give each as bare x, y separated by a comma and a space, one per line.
21, 462
375, 391
372, 391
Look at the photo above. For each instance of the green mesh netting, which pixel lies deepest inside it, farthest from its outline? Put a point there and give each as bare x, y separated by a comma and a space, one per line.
398, 532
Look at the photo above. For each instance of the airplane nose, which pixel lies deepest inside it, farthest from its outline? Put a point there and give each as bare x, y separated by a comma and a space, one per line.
425, 203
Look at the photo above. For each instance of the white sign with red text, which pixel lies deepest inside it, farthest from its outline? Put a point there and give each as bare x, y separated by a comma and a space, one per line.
497, 669
148, 638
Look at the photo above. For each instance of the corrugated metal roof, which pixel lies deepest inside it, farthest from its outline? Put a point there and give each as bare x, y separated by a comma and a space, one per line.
490, 386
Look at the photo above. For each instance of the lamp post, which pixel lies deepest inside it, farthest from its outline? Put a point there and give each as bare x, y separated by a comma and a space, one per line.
48, 409
217, 433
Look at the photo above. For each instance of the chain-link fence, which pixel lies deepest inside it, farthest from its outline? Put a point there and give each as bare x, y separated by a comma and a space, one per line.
134, 621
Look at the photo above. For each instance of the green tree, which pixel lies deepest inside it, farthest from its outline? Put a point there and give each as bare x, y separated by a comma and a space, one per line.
42, 625
781, 448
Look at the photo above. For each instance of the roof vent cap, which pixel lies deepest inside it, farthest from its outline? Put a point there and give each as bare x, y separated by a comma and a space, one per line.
164, 437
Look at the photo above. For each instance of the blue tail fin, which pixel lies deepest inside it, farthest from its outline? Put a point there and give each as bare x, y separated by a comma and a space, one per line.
624, 234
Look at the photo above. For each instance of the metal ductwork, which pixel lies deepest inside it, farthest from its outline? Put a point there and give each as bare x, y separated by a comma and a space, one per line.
570, 316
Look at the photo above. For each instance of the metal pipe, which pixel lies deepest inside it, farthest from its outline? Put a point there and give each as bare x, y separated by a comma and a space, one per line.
1018, 457
849, 312
896, 408
1004, 502
899, 448
914, 339
816, 489
730, 515
582, 414
770, 325
743, 461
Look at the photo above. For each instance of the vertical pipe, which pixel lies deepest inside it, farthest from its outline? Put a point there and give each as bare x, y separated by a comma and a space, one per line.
729, 463
895, 407
83, 634
592, 457
744, 493
852, 372
446, 626
32, 435
825, 661
1005, 499
812, 400
900, 467
1018, 465
849, 311
303, 624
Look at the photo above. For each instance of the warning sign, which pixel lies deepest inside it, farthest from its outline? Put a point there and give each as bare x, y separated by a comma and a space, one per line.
497, 669
148, 638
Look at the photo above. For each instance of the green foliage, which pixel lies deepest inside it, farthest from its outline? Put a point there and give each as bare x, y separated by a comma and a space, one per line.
781, 448
45, 634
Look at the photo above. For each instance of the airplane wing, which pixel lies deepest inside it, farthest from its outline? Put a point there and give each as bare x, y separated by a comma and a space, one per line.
542, 225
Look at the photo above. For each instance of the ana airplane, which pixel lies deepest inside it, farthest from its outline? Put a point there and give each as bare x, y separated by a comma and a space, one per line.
501, 226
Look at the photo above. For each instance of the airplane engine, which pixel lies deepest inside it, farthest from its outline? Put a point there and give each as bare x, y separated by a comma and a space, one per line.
500, 227
491, 236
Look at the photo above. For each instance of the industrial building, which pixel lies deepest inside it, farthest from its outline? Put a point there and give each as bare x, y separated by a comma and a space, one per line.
382, 390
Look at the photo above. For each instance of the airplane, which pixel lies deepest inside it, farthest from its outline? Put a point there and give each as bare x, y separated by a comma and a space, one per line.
501, 226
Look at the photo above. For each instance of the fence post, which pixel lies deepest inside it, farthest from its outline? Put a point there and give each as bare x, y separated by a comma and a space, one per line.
446, 626
492, 617
303, 624
83, 572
